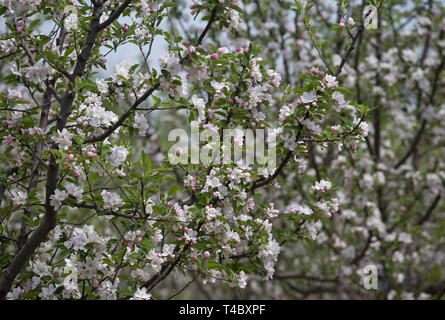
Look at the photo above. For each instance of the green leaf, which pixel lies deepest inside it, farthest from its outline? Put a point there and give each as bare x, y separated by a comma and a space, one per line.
173, 190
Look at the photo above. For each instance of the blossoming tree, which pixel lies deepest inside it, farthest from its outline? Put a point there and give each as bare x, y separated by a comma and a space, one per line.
93, 207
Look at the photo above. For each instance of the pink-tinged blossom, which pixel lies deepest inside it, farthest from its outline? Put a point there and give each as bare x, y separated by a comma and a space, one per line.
111, 200
102, 86
200, 105
351, 22
211, 213
301, 209
409, 55
141, 294
107, 290
171, 63
97, 116
63, 139
7, 46
57, 198
242, 279
146, 7
8, 140
312, 228
330, 82
37, 72
275, 77
18, 197
149, 206
74, 191
268, 253
48, 293
168, 250
117, 156
364, 129
308, 97
122, 70
311, 125
140, 123
290, 142
218, 86
14, 294
339, 100
322, 186
286, 111
256, 72
271, 212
